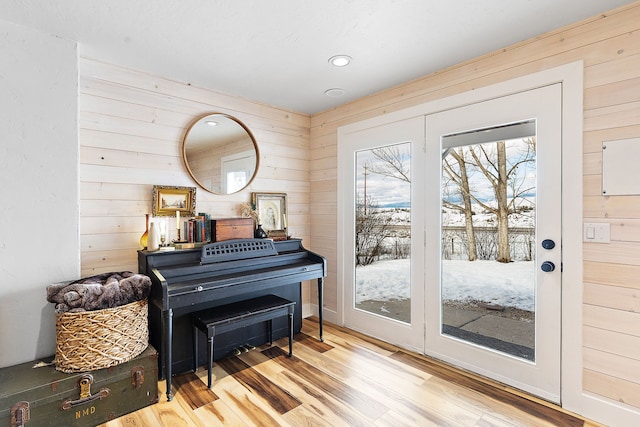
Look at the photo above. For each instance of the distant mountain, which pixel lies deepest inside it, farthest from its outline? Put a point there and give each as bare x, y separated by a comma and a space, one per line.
456, 199
397, 205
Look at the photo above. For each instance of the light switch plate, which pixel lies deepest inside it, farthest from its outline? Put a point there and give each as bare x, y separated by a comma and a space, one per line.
596, 232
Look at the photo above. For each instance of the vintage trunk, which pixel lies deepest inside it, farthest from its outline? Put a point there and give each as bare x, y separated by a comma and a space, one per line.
231, 228
42, 396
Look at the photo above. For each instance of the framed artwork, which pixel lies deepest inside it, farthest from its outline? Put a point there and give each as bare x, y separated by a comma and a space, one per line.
272, 210
168, 200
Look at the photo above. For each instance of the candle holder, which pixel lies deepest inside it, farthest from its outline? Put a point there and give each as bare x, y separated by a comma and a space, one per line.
163, 232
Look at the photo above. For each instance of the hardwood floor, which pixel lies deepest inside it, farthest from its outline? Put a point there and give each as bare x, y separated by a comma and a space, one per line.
349, 380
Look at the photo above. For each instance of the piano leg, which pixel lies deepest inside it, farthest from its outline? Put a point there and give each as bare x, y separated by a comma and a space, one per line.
320, 304
167, 326
290, 333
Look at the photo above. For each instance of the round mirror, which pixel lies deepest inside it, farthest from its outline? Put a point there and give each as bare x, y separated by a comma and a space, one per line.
220, 153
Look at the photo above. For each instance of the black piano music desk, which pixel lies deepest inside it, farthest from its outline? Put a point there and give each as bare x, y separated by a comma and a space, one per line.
190, 280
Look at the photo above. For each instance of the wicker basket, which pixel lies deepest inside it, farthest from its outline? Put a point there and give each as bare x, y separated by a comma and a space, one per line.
91, 340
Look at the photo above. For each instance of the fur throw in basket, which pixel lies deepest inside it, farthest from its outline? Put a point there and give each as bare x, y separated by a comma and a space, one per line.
105, 290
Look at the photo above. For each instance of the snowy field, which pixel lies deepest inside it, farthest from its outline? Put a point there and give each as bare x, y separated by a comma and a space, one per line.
510, 285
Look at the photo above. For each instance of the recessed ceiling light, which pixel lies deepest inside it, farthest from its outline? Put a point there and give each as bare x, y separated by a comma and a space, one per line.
211, 123
340, 60
335, 92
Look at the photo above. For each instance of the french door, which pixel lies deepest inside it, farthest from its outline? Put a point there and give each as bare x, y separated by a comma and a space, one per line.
493, 225
450, 226
380, 173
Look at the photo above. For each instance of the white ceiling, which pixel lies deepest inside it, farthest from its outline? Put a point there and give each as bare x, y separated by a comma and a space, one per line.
276, 51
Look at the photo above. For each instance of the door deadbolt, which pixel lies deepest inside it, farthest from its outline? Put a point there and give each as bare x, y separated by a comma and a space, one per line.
548, 244
548, 266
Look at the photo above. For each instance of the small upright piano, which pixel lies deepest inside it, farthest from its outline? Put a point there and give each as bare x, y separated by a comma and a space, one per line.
190, 280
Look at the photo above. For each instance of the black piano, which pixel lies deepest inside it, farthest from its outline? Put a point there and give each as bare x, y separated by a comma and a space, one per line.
190, 280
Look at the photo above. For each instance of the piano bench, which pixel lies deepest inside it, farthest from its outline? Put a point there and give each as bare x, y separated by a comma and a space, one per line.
236, 315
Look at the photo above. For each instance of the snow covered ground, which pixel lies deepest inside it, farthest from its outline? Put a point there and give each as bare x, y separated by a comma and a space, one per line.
510, 285
481, 218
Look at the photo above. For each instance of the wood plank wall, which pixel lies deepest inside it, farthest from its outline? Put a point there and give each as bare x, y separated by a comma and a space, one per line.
131, 130
609, 45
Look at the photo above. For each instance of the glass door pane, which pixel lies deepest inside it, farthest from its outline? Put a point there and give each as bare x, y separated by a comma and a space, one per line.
383, 231
488, 238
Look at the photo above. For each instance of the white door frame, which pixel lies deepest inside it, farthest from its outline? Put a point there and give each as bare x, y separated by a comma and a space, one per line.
571, 77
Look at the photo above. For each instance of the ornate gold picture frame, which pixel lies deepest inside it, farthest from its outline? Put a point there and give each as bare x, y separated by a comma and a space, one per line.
169, 199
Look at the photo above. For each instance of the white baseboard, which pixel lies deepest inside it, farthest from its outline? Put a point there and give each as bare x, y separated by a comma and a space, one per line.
309, 310
607, 411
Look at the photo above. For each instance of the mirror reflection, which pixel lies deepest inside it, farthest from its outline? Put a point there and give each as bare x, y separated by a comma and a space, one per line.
220, 153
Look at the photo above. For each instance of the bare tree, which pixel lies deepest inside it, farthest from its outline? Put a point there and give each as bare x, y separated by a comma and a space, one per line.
458, 174
492, 161
373, 226
392, 163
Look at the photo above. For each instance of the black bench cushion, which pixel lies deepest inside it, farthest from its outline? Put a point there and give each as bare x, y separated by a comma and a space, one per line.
240, 309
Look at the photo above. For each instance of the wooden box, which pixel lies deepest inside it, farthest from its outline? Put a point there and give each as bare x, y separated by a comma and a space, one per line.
42, 396
231, 228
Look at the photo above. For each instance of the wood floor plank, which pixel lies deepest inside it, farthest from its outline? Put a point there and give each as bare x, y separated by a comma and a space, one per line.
184, 399
324, 362
193, 390
278, 398
323, 406
319, 405
261, 363
419, 404
372, 363
352, 397
338, 333
376, 371
502, 410
470, 400
489, 420
173, 413
394, 419
219, 414
312, 342
302, 417
248, 407
450, 376
142, 418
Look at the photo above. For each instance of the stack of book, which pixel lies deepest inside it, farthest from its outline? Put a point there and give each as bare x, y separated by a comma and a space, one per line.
197, 229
